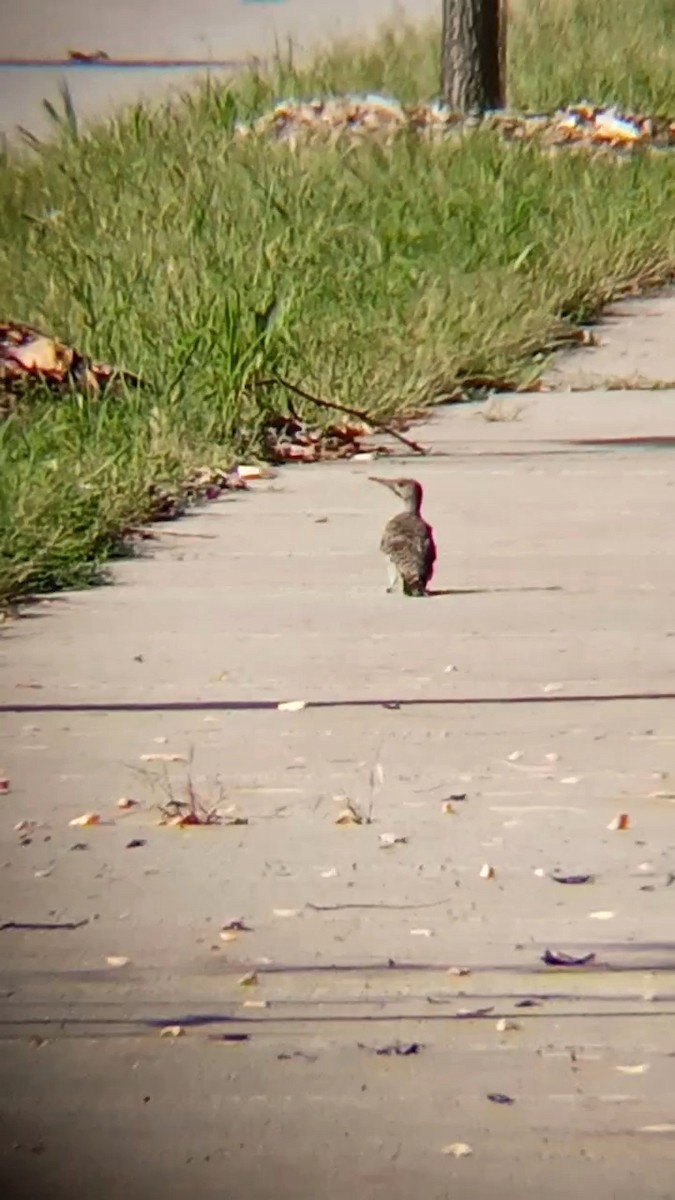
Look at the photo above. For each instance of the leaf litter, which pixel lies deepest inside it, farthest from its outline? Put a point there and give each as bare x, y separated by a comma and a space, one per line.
355, 116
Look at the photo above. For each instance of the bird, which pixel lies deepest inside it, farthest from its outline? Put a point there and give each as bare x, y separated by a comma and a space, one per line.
408, 541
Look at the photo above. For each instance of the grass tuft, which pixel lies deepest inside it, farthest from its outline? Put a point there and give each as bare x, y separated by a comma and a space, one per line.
379, 276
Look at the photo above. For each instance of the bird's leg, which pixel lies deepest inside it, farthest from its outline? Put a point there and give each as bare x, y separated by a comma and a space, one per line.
394, 577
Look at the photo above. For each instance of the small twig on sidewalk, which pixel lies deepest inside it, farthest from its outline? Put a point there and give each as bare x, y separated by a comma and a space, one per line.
397, 907
350, 412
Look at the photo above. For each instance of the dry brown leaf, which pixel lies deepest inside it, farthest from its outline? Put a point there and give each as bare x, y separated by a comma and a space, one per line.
4, 784
349, 816
172, 1031
117, 960
458, 1149
622, 821
249, 980
392, 839
91, 818
292, 706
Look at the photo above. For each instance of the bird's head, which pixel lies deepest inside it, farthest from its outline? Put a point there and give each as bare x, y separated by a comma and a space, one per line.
409, 490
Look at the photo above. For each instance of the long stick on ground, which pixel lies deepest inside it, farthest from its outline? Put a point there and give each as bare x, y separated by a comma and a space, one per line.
350, 412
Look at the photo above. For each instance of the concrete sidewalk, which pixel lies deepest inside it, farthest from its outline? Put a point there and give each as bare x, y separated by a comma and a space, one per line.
231, 30
536, 688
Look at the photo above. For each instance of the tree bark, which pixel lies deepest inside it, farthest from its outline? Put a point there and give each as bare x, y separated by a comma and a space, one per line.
474, 41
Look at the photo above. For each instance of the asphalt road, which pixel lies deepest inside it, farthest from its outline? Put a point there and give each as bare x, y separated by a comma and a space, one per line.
224, 30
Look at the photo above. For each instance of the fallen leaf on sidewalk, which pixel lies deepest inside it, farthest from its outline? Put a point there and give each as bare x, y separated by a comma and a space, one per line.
472, 1014
164, 758
229, 1039
238, 925
558, 958
292, 706
448, 808
574, 879
397, 1049
172, 1031
637, 1069
91, 818
500, 1098
504, 1025
458, 1149
4, 784
487, 872
125, 803
620, 822
249, 980
256, 1004
350, 816
117, 960
459, 970
136, 844
549, 688
228, 935
387, 840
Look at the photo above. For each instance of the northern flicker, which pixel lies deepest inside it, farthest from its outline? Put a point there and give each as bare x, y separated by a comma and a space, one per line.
408, 541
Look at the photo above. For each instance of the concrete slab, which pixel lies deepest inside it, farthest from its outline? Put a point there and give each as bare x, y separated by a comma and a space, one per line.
636, 344
536, 687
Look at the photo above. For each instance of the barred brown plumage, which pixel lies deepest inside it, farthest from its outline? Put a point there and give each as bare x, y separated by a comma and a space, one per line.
408, 541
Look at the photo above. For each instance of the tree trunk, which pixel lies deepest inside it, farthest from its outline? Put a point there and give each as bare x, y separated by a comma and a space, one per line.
473, 55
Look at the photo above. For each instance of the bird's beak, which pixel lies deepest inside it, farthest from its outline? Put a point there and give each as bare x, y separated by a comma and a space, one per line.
389, 483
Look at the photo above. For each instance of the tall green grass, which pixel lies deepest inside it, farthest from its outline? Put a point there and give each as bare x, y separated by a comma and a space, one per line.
158, 242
